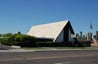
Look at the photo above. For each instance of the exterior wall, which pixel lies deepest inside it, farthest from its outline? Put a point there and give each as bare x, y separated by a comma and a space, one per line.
60, 38
96, 35
89, 36
66, 31
69, 37
71, 40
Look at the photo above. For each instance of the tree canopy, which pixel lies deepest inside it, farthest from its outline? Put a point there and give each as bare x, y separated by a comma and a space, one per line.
17, 39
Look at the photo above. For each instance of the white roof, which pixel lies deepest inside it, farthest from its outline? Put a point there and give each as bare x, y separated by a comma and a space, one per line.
51, 30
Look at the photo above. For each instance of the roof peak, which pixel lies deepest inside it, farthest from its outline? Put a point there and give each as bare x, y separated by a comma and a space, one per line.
54, 22
59, 21
50, 30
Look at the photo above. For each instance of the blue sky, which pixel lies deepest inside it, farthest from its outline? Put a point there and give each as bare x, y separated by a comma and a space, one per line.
20, 15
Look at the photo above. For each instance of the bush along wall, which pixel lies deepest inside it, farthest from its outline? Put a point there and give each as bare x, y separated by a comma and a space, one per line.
18, 39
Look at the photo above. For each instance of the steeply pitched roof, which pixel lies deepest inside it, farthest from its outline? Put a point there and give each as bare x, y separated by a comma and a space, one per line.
51, 30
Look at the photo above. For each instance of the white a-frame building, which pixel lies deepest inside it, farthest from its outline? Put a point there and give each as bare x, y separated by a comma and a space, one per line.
56, 32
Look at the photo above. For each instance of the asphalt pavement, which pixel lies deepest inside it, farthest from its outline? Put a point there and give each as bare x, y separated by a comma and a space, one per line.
50, 57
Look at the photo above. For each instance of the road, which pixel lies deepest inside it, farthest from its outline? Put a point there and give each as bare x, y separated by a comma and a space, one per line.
50, 57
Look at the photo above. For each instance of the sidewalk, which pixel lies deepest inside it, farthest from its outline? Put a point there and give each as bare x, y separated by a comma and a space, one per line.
47, 49
16, 50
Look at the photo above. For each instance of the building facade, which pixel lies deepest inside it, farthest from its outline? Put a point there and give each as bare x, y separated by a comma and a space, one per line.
58, 32
89, 36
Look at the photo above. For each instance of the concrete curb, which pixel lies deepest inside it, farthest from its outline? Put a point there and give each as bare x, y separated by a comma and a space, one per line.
38, 50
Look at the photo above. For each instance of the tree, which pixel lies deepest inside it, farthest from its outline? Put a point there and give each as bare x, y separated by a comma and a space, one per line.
7, 35
25, 40
94, 36
19, 33
18, 39
0, 35
84, 37
77, 36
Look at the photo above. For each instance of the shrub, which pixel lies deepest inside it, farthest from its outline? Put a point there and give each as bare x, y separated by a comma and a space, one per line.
18, 39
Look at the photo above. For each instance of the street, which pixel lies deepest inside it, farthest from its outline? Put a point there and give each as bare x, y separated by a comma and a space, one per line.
50, 57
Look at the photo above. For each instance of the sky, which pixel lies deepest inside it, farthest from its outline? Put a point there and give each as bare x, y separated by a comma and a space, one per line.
20, 15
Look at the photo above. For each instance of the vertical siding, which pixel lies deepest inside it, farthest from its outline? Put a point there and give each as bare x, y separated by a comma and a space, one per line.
71, 40
60, 38
69, 36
